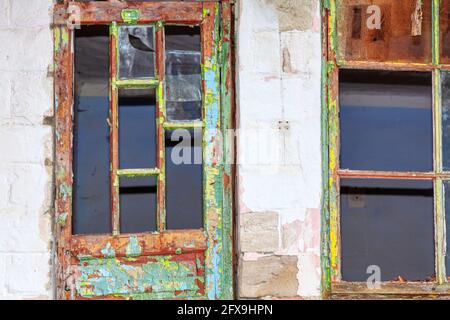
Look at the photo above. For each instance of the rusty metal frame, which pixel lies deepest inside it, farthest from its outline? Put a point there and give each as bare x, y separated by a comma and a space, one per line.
216, 240
332, 285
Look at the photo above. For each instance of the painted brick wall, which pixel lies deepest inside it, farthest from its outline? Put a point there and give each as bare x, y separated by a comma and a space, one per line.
26, 92
279, 153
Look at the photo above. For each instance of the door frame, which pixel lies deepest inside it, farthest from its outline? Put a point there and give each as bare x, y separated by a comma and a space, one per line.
218, 147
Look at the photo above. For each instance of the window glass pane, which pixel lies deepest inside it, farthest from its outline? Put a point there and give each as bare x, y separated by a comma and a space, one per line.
389, 224
137, 128
183, 73
184, 179
138, 204
91, 192
445, 85
447, 219
444, 33
136, 52
384, 30
386, 121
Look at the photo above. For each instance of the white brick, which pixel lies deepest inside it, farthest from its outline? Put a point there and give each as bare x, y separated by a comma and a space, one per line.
2, 275
270, 190
257, 17
305, 51
26, 49
4, 191
28, 275
25, 181
24, 232
5, 94
28, 14
266, 52
24, 144
260, 99
302, 98
4, 13
32, 102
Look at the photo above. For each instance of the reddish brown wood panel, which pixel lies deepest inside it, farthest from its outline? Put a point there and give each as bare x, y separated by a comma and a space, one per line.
108, 12
444, 32
398, 38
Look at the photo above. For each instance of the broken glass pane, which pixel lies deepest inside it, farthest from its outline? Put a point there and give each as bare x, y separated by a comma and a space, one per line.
389, 225
386, 120
184, 179
136, 52
183, 73
137, 128
138, 204
91, 192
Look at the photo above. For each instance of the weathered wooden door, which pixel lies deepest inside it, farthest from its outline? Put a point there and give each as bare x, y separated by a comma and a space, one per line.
169, 245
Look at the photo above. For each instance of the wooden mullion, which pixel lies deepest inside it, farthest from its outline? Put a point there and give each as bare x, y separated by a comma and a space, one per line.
184, 125
387, 289
389, 66
362, 174
133, 173
114, 132
169, 242
160, 120
137, 84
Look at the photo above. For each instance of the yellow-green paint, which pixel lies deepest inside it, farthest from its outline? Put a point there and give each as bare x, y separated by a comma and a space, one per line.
184, 125
136, 83
330, 133
130, 15
134, 173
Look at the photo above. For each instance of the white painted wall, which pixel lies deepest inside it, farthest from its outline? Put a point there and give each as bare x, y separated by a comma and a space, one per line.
26, 151
278, 79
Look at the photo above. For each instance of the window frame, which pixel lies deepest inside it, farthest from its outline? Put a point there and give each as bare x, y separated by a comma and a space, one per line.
217, 49
332, 285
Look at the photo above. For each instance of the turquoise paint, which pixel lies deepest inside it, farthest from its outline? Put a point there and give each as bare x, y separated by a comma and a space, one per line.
158, 278
108, 251
133, 248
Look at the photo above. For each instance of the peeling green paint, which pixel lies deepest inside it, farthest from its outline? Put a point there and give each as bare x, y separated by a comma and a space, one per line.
130, 15
158, 278
134, 173
62, 219
133, 248
66, 191
108, 251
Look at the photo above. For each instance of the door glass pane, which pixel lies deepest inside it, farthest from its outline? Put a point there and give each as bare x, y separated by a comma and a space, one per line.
183, 73
386, 121
447, 219
138, 204
384, 30
91, 192
137, 128
389, 224
136, 52
444, 32
445, 85
184, 179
